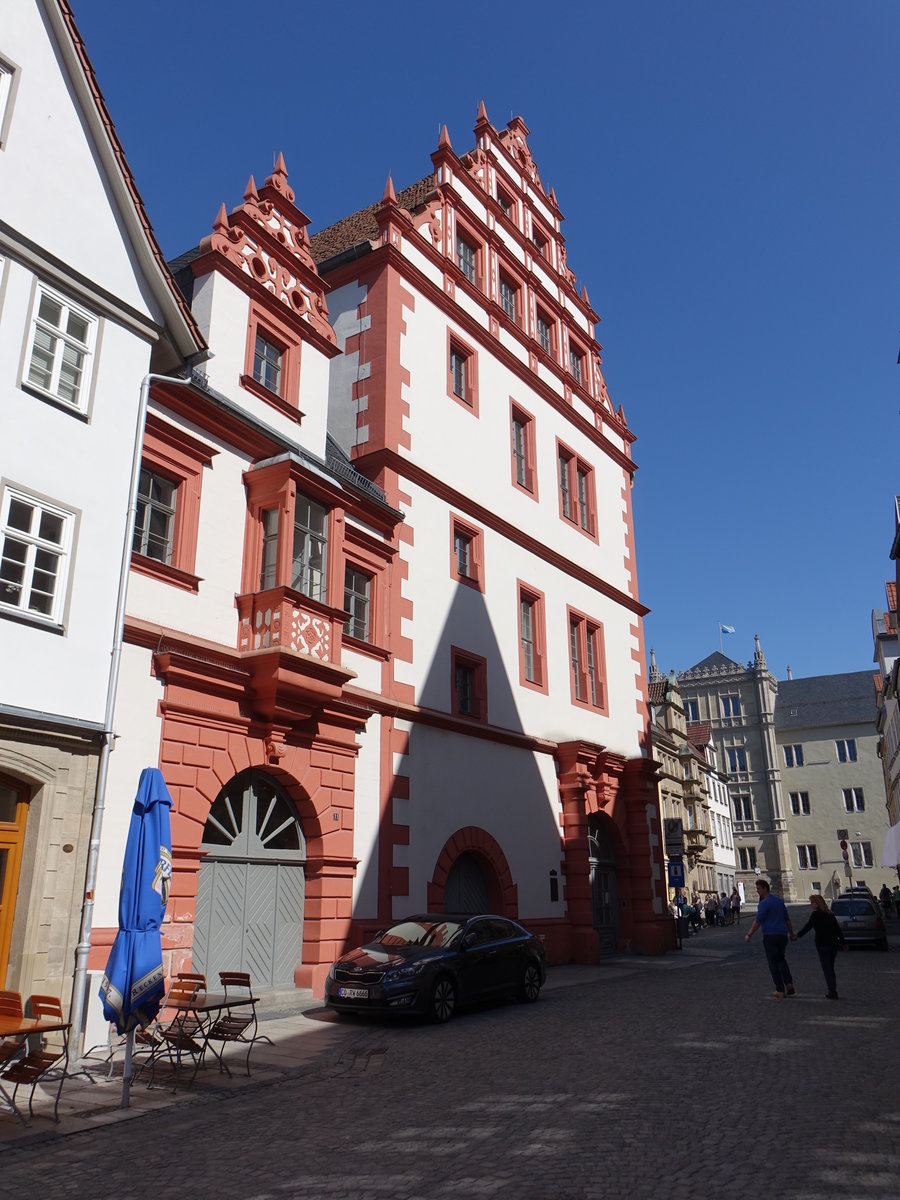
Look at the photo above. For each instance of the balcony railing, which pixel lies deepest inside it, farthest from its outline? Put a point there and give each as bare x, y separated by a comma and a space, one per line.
282, 619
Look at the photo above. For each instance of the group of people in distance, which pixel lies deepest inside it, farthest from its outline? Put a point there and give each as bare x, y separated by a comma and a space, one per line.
890, 900
709, 910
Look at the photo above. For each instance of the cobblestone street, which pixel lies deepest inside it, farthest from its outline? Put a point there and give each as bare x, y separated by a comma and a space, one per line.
677, 1078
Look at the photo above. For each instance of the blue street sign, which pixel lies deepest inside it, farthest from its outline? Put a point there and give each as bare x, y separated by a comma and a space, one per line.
676, 874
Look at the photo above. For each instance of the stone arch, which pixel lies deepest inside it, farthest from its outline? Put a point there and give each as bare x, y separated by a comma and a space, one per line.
478, 842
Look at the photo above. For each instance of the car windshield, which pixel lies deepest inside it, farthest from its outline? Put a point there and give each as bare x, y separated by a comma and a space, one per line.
851, 908
420, 933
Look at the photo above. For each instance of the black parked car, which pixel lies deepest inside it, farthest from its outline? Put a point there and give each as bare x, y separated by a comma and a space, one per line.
431, 963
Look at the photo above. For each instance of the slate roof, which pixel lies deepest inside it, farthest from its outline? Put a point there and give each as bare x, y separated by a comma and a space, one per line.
826, 700
717, 659
361, 227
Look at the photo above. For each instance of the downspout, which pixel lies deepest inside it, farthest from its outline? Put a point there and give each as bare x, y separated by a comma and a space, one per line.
82, 950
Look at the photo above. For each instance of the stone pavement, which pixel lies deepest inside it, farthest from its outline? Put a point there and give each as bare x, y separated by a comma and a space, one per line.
675, 1077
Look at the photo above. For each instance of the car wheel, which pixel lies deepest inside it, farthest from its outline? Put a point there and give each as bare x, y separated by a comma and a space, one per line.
442, 1004
530, 987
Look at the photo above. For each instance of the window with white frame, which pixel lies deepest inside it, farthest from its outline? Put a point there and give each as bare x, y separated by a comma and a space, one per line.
155, 519
309, 548
861, 853
800, 804
62, 342
35, 550
846, 749
357, 602
7, 82
807, 858
793, 756
854, 800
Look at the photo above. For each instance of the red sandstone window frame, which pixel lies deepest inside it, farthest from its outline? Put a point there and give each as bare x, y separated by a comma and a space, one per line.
541, 314
363, 552
541, 239
516, 286
534, 598
477, 667
582, 513
590, 641
277, 332
180, 458
466, 232
526, 453
475, 535
457, 346
578, 353
508, 205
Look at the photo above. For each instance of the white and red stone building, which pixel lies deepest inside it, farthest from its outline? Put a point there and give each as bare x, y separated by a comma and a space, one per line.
87, 308
384, 637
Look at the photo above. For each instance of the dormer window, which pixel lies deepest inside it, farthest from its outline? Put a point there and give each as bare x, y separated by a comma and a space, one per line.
267, 364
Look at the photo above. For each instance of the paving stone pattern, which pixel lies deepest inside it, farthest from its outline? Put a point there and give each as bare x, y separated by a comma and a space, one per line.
675, 1078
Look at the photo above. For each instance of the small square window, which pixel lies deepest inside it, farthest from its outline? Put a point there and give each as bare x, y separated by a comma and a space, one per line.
800, 804
854, 800
62, 342
358, 603
808, 858
539, 242
35, 547
506, 204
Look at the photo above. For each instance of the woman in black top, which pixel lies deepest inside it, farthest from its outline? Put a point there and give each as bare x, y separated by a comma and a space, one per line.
828, 936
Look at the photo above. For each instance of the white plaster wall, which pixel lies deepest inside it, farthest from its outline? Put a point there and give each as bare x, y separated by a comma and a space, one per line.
366, 668
222, 310
139, 730
486, 781
66, 206
84, 466
366, 809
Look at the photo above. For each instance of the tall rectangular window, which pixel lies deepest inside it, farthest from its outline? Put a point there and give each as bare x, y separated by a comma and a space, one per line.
747, 858
808, 858
576, 365
357, 602
691, 710
155, 519
737, 758
861, 853
846, 750
458, 372
532, 666
267, 364
462, 372
466, 553
35, 545
793, 756
743, 809
526, 635
62, 339
508, 297
522, 441
575, 657
587, 659
577, 501
466, 258
582, 477
468, 673
268, 571
731, 705
565, 498
309, 548
462, 548
544, 334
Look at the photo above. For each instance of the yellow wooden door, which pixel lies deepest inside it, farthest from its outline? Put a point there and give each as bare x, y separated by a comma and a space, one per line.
13, 813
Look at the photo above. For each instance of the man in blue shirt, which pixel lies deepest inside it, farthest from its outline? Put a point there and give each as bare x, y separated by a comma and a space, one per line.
772, 917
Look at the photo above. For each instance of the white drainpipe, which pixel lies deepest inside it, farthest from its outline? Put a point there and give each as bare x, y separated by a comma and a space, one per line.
82, 950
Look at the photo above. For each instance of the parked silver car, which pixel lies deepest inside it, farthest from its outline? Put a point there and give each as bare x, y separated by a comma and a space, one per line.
860, 919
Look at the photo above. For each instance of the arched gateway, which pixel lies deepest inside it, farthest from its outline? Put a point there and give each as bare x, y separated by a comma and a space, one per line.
252, 882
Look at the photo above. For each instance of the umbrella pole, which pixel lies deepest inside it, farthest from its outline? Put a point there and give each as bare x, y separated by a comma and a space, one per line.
126, 1070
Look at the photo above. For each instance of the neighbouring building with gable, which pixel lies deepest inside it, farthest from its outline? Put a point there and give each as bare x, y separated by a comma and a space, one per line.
87, 309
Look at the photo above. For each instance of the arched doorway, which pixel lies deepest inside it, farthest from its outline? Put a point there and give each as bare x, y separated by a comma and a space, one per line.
604, 893
467, 889
252, 883
13, 814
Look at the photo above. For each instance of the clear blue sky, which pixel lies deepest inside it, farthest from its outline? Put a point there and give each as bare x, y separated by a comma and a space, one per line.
729, 174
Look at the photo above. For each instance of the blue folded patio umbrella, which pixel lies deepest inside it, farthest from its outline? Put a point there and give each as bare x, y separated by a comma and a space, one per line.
132, 989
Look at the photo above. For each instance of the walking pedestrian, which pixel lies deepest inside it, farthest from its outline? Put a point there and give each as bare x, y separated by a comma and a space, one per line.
828, 937
736, 904
887, 900
772, 917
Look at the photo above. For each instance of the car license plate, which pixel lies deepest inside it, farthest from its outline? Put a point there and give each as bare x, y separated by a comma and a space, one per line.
348, 993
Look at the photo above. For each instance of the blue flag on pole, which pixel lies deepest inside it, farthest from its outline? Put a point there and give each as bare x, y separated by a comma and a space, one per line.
726, 628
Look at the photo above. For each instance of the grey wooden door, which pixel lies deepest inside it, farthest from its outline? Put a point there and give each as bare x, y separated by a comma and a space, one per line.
604, 892
250, 892
466, 889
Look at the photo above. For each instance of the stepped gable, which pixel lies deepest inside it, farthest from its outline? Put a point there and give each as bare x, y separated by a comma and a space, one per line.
265, 240
826, 700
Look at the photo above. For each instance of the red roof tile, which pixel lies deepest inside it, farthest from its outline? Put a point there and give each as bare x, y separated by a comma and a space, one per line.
361, 226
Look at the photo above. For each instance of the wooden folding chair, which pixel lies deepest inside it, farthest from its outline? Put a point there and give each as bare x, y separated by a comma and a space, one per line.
47, 1062
239, 1024
179, 1036
10, 1006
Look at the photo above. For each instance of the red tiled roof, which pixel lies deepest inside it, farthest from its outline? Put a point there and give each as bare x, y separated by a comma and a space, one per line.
656, 691
891, 588
361, 226
699, 732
